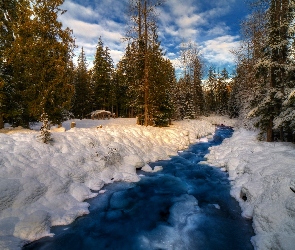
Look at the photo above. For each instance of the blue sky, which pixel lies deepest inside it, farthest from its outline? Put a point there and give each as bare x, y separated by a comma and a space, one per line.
212, 24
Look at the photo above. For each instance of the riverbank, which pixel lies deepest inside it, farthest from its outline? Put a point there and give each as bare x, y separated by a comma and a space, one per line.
186, 205
43, 185
262, 175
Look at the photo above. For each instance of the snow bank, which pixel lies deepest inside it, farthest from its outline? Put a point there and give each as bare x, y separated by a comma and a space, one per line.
218, 120
262, 174
42, 185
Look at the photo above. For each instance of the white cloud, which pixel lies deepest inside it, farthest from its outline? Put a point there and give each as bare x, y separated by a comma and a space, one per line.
88, 24
217, 51
179, 21
78, 11
219, 30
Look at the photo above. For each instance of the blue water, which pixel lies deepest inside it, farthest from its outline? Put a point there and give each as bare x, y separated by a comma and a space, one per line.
185, 206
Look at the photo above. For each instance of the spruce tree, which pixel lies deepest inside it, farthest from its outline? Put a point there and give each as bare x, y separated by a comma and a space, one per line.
41, 58
274, 66
250, 79
45, 135
102, 77
210, 91
82, 103
161, 81
223, 92
143, 37
7, 17
192, 79
127, 78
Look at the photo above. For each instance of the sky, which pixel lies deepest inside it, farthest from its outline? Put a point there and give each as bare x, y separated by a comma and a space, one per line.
214, 25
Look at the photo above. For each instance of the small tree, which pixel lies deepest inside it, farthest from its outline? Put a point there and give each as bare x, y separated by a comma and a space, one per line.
45, 135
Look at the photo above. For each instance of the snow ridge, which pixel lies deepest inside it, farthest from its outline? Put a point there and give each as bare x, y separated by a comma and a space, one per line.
261, 174
44, 185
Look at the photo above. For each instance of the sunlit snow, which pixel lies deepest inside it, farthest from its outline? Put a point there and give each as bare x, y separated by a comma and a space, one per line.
42, 185
262, 176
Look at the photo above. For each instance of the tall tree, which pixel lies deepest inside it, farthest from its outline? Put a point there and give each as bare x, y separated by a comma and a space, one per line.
248, 79
41, 58
102, 76
82, 103
142, 34
210, 91
129, 80
161, 81
7, 18
275, 65
192, 70
223, 92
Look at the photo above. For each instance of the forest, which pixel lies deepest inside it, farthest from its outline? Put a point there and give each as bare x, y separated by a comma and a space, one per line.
38, 76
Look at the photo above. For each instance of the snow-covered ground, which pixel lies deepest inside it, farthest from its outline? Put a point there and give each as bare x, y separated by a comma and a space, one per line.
45, 185
42, 185
262, 174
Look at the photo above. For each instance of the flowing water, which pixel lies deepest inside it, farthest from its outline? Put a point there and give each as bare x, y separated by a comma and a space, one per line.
185, 206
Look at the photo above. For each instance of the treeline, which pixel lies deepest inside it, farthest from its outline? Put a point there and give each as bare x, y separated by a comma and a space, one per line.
264, 86
35, 62
39, 79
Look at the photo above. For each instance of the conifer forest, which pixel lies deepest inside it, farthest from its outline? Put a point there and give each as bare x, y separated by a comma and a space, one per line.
38, 76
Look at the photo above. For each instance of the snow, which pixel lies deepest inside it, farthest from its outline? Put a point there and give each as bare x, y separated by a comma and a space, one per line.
43, 185
261, 175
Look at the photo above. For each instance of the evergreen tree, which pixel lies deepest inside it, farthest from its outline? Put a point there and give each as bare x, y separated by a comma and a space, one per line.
210, 91
82, 104
142, 35
102, 77
192, 80
160, 83
45, 135
245, 90
120, 92
223, 92
274, 66
7, 17
128, 76
41, 59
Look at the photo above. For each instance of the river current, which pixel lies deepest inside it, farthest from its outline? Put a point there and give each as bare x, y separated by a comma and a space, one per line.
187, 205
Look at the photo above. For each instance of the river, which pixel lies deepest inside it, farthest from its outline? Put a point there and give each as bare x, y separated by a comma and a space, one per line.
187, 205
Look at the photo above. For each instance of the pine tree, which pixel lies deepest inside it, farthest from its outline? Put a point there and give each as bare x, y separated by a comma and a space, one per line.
192, 67
210, 91
41, 58
82, 104
7, 17
249, 78
45, 135
223, 92
128, 91
161, 81
143, 36
274, 66
102, 77
9, 98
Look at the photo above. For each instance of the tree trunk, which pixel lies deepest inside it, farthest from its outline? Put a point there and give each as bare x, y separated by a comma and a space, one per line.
269, 132
146, 84
1, 121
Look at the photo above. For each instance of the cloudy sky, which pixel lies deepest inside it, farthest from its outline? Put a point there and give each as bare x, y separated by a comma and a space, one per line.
212, 24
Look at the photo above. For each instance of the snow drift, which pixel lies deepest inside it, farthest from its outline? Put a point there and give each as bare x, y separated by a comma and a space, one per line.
43, 185
261, 174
